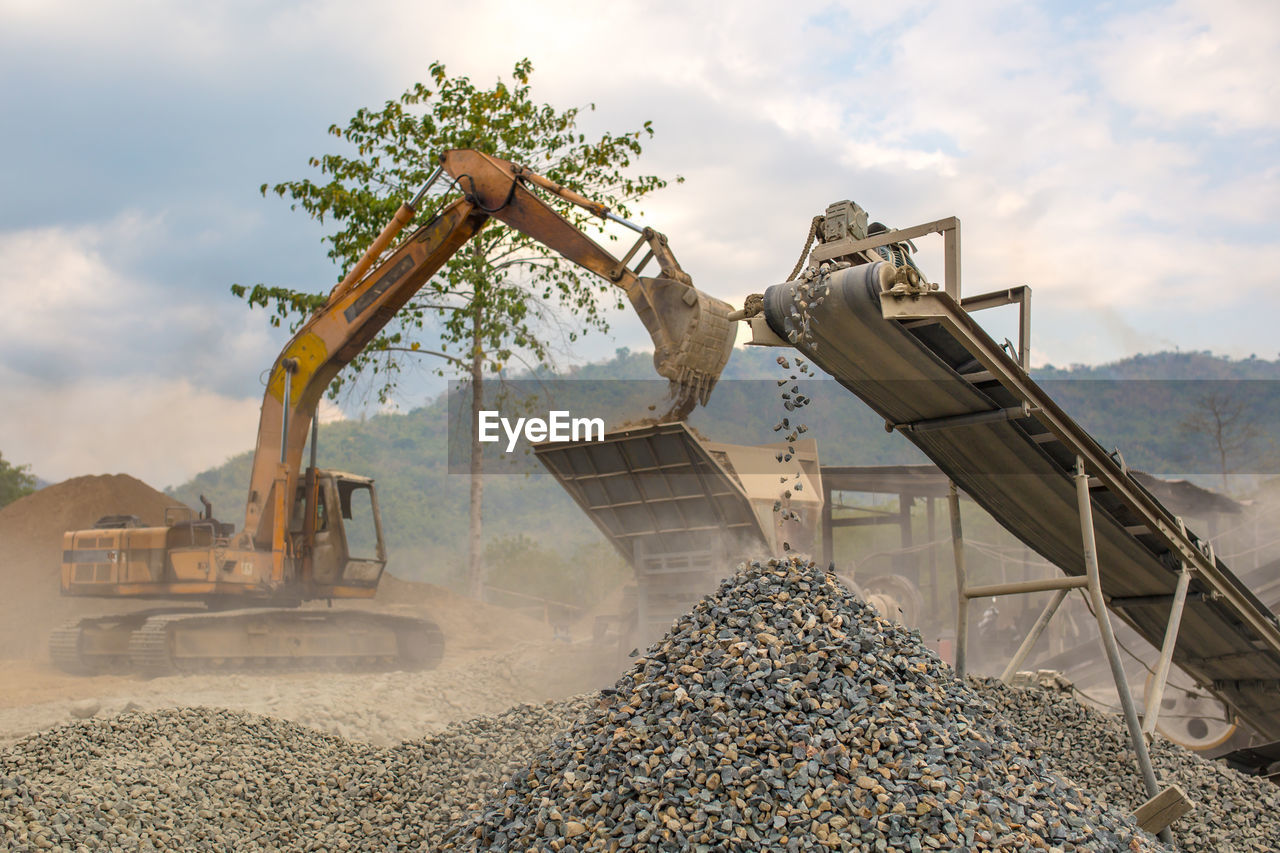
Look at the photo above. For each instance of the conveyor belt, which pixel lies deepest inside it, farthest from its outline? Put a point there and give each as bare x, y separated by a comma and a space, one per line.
930, 371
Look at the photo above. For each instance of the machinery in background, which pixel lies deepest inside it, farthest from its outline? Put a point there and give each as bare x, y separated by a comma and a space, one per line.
907, 573
683, 511
311, 534
914, 353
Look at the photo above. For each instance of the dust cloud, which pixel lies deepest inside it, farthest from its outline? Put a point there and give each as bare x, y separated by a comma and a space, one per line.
31, 528
495, 656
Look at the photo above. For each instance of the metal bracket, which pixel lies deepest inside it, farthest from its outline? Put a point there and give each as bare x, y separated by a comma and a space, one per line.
1151, 703
949, 228
1100, 613
762, 335
1092, 582
1020, 296
1029, 642
1067, 582
1012, 413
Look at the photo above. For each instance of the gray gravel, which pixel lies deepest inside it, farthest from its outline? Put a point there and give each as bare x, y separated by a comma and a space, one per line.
382, 708
780, 714
205, 779
783, 714
1233, 812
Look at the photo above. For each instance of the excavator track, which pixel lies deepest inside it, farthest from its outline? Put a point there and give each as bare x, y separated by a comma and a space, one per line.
97, 645
149, 651
273, 640
64, 651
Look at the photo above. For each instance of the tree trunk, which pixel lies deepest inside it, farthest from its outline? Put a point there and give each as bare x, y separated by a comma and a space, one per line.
1220, 438
1222, 460
475, 566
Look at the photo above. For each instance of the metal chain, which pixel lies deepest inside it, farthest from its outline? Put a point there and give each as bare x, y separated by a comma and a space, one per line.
808, 243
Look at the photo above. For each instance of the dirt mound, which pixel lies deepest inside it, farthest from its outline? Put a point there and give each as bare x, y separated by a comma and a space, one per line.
31, 553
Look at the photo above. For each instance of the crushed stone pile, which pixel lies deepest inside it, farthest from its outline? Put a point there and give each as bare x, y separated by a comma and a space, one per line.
31, 528
204, 779
783, 714
780, 714
1233, 812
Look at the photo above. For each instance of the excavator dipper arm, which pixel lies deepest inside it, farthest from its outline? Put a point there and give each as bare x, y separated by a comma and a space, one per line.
692, 333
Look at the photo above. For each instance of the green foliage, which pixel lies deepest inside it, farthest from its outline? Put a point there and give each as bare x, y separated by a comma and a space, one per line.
424, 507
508, 285
15, 481
1138, 408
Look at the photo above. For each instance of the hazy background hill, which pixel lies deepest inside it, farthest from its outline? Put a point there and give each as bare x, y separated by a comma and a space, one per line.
538, 539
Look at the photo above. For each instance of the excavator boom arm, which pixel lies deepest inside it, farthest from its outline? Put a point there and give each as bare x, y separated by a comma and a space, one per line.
692, 333
329, 340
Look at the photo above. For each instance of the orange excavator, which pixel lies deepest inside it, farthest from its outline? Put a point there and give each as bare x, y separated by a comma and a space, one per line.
312, 534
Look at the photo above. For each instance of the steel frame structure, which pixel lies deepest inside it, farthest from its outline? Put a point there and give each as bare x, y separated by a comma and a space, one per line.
914, 354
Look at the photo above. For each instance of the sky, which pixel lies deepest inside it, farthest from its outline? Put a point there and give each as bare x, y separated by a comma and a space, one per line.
1119, 158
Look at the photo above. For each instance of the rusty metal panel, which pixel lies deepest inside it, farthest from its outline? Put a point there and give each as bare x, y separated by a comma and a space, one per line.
657, 485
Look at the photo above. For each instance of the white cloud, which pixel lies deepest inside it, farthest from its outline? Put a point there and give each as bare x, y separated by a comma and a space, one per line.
1195, 60
329, 412
127, 30
57, 285
161, 431
1117, 164
1034, 130
77, 305
106, 370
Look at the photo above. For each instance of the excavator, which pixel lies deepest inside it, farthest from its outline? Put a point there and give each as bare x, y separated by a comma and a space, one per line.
312, 534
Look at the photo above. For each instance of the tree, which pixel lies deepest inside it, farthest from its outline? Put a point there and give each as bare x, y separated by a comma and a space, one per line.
1226, 422
502, 297
15, 481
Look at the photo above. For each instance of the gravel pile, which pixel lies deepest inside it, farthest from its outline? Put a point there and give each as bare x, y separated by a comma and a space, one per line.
1233, 812
783, 714
203, 779
780, 714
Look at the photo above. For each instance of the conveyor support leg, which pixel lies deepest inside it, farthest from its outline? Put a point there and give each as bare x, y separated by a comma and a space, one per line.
1109, 638
962, 600
1033, 635
1151, 705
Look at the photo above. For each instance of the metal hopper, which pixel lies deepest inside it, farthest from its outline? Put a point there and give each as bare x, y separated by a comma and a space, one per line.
685, 511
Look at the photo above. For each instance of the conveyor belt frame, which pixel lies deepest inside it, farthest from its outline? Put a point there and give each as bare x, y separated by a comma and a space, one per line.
912, 304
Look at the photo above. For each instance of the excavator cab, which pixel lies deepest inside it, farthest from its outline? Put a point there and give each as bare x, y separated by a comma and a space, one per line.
345, 546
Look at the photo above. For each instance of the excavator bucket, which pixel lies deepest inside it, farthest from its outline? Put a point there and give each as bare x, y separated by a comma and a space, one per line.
692, 333
692, 337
